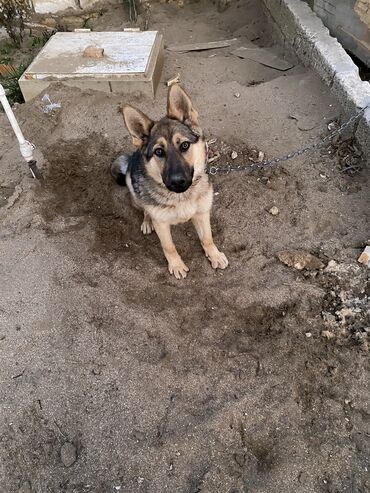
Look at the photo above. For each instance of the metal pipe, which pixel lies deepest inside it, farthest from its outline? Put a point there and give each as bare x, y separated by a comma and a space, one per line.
25, 147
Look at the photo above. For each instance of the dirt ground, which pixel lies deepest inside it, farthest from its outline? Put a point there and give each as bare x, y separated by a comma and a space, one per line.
117, 377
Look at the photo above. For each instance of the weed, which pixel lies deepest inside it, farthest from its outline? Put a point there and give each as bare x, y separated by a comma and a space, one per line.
10, 83
13, 15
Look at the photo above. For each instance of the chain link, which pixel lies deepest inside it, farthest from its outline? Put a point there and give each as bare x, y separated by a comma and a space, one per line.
214, 170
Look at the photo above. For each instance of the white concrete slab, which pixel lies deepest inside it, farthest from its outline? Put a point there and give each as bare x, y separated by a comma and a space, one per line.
124, 53
132, 61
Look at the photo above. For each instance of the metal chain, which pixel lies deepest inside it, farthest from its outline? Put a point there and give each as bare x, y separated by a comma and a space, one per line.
214, 170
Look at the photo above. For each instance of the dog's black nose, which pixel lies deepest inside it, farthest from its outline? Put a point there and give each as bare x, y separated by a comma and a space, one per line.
178, 183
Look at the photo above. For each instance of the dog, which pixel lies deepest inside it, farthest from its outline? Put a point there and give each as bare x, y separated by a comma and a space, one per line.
167, 177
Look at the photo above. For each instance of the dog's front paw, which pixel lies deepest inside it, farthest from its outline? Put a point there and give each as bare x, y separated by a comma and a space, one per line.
146, 226
178, 268
218, 260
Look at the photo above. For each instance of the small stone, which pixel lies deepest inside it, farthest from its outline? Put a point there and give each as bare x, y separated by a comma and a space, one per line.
299, 259
364, 258
274, 211
94, 52
347, 401
308, 334
329, 335
234, 155
237, 95
261, 156
68, 454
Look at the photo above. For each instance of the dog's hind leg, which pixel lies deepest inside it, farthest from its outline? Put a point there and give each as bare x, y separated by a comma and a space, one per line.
202, 225
175, 264
146, 225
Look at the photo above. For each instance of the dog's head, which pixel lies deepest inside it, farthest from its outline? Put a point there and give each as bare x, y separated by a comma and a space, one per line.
173, 148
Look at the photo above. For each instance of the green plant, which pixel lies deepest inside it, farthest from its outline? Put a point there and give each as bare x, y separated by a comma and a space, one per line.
131, 4
11, 86
39, 41
6, 52
13, 16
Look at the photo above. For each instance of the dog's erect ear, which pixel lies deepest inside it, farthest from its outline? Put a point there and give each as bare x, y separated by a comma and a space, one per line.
138, 125
179, 106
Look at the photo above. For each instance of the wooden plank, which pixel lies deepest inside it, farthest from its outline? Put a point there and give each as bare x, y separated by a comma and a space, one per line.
6, 69
211, 45
264, 57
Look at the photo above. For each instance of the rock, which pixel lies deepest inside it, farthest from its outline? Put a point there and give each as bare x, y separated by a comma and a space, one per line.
94, 52
329, 335
237, 95
299, 259
274, 211
261, 156
234, 155
68, 454
364, 258
308, 334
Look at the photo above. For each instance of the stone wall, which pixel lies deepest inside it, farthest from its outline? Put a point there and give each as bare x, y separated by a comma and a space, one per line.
52, 6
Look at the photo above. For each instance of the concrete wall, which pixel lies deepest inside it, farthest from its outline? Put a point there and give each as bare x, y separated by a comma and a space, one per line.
52, 6
304, 31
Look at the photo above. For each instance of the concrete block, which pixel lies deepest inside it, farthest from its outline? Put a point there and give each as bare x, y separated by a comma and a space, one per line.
132, 62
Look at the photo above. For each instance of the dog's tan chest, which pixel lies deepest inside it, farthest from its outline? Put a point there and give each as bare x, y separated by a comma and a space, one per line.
183, 210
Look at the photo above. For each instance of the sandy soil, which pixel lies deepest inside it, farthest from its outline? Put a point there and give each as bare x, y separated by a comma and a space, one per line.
117, 377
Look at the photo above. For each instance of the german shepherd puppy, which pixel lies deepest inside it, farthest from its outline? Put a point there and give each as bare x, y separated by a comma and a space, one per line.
166, 176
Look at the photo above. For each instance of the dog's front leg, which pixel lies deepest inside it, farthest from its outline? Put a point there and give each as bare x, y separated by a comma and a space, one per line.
202, 225
175, 264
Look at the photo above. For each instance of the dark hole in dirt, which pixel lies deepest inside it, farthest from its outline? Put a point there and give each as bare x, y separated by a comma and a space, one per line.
362, 67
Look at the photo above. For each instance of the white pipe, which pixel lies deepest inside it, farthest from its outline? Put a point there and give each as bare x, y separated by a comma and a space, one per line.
25, 147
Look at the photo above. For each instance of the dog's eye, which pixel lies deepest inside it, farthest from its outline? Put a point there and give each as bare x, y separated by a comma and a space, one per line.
184, 146
159, 152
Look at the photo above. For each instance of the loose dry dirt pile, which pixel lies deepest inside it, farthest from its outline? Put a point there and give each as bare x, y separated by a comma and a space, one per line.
117, 377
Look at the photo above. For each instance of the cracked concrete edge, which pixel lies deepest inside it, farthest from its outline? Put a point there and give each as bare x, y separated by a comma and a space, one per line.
304, 31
